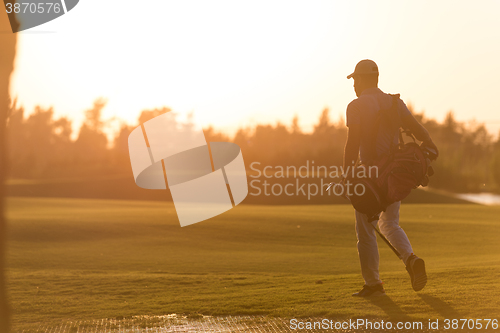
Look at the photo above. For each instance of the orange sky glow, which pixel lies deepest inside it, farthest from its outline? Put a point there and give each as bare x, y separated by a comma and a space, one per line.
239, 63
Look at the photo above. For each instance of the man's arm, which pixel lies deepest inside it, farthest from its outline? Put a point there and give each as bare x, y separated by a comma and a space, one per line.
418, 131
351, 150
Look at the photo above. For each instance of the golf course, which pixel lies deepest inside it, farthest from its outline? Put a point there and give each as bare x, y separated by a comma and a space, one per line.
90, 259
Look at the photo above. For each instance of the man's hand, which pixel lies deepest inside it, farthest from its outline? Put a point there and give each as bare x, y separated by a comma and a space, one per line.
419, 131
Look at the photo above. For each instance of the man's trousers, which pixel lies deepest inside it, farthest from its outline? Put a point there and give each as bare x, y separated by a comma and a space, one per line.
367, 241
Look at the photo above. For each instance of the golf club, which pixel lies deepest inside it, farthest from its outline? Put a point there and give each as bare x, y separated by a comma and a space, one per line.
370, 220
385, 239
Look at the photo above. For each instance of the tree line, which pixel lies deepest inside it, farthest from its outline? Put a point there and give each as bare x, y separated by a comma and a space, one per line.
41, 147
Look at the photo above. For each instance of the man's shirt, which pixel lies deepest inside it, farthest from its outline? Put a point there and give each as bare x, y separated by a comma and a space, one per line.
364, 110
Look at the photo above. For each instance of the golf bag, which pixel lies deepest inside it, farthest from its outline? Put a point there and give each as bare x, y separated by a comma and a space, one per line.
405, 167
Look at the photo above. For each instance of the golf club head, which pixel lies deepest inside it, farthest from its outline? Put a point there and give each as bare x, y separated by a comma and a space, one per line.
329, 186
430, 152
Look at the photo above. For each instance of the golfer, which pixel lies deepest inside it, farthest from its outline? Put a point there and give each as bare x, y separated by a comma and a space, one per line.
360, 118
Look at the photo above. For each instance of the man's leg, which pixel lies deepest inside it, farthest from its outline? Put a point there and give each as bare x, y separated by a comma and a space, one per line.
367, 250
389, 227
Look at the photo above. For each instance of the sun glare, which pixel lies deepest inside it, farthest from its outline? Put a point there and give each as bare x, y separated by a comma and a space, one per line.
241, 63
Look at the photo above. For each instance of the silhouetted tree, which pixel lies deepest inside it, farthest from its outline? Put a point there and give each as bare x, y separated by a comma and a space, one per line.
91, 144
150, 114
119, 151
213, 136
41, 146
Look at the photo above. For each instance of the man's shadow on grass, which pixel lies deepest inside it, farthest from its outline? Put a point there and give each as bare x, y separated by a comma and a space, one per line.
394, 311
441, 307
387, 305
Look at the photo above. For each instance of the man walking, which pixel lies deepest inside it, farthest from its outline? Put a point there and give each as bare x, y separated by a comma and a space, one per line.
360, 119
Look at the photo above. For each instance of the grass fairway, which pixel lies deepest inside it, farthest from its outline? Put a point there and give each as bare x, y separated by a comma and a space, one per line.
90, 259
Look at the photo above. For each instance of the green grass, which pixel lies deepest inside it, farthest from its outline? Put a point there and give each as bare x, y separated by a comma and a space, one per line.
77, 259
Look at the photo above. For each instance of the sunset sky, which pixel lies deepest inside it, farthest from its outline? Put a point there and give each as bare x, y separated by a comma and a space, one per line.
238, 63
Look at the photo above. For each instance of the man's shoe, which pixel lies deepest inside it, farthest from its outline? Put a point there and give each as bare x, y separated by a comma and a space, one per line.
416, 268
368, 291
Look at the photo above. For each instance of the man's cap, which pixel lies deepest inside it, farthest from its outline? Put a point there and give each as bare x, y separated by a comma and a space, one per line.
365, 67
